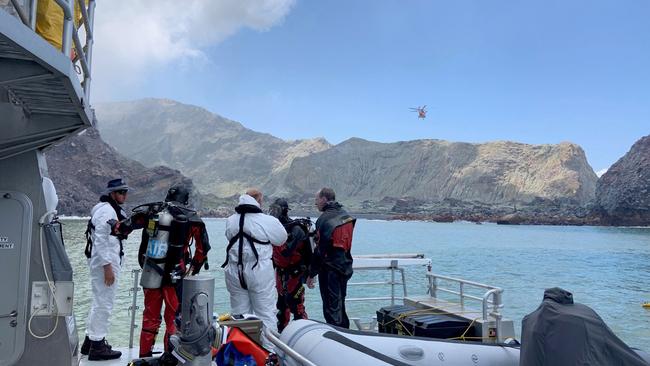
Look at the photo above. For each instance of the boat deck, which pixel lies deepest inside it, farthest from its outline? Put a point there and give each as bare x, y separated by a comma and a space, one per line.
128, 354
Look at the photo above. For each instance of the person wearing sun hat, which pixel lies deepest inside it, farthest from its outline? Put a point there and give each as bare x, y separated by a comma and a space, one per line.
104, 252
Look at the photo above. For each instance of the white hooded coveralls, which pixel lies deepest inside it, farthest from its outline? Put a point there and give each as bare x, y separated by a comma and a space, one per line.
105, 250
261, 296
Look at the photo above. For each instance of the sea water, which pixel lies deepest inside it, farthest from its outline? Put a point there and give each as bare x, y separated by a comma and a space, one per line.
607, 269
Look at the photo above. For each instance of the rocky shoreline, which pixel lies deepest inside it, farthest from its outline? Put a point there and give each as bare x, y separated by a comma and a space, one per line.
541, 212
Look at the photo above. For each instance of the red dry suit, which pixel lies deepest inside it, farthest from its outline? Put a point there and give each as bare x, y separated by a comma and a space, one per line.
178, 262
291, 261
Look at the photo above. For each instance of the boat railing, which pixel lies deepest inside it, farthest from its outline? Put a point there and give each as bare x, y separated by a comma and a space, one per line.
70, 34
134, 301
386, 262
491, 300
393, 268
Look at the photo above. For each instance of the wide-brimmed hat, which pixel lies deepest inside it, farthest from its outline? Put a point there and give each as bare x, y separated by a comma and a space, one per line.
115, 185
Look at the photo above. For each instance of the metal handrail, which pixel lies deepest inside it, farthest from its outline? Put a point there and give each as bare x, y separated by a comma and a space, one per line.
20, 12
136, 287
70, 36
491, 297
392, 268
496, 303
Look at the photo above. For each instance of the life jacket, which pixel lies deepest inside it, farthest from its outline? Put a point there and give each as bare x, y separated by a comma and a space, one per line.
240, 349
242, 210
292, 258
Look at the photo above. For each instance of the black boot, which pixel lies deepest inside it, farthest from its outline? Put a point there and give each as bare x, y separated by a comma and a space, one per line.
85, 348
167, 359
101, 350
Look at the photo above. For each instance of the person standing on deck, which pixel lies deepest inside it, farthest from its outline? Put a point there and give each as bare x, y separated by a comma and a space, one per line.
166, 258
291, 261
250, 278
332, 260
104, 252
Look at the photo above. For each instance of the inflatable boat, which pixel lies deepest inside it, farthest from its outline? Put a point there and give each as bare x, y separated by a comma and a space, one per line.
324, 344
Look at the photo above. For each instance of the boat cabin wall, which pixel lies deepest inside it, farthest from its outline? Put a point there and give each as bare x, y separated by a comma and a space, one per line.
21, 185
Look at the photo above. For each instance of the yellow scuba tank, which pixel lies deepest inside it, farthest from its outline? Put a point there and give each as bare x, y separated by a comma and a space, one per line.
646, 305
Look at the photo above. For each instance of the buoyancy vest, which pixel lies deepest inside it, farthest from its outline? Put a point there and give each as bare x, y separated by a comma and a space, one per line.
290, 257
336, 229
242, 210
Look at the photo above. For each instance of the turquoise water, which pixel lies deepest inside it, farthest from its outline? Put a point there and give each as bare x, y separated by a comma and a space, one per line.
607, 269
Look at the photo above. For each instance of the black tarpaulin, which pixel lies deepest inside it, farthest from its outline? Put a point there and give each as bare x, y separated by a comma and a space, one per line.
561, 333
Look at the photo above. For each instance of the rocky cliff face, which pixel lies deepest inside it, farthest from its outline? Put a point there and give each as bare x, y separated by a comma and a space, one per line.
80, 167
220, 155
224, 158
434, 170
623, 192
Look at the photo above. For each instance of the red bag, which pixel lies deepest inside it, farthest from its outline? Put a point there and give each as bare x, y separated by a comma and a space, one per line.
245, 345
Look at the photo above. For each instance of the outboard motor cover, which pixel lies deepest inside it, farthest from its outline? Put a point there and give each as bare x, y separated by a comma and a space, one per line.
561, 333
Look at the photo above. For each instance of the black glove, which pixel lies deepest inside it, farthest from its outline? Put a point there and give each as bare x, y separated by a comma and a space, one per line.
121, 229
113, 224
196, 267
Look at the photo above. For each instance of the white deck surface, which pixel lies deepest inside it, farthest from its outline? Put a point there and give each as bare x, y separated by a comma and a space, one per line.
128, 354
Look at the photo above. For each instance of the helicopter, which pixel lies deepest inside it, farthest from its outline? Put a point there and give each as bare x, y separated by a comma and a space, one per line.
422, 111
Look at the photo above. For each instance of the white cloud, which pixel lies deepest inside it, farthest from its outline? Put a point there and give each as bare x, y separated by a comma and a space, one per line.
133, 37
601, 172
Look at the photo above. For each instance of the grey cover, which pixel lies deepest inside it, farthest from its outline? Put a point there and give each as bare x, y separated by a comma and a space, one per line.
561, 333
61, 268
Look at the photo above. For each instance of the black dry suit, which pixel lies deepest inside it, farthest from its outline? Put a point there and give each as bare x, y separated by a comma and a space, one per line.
242, 210
561, 333
332, 261
334, 238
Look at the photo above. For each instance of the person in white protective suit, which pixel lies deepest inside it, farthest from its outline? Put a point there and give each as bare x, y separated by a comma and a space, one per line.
104, 251
250, 277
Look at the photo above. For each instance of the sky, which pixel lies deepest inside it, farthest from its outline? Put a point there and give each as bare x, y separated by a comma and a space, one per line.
535, 72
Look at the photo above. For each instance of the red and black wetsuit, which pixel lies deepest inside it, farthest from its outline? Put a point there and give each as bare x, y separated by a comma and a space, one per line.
291, 261
333, 261
179, 259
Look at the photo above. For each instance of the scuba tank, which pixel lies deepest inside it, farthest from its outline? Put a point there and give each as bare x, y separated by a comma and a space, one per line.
180, 230
158, 228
